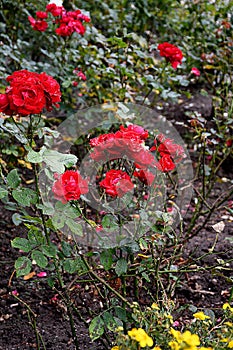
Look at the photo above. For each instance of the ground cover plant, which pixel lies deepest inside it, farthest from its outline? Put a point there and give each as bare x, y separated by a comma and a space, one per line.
116, 175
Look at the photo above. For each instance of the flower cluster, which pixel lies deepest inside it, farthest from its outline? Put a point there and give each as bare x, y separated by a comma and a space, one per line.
172, 53
141, 337
185, 341
67, 22
29, 93
69, 186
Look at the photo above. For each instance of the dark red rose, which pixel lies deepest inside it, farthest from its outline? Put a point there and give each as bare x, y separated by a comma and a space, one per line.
172, 53
172, 149
69, 186
145, 176
116, 183
165, 164
39, 25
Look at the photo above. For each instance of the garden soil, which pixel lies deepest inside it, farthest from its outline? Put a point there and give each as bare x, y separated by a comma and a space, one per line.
208, 288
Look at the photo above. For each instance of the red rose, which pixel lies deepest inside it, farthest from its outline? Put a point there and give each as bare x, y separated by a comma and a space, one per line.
41, 15
5, 104
145, 177
172, 149
39, 25
51, 90
55, 10
172, 53
116, 183
165, 164
69, 186
101, 139
133, 132
29, 93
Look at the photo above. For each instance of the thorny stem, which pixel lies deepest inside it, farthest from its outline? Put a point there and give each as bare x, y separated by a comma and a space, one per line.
32, 321
92, 273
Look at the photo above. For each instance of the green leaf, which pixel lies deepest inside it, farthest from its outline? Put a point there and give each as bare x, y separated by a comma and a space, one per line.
50, 251
111, 322
23, 266
106, 258
66, 248
34, 157
57, 161
121, 267
39, 258
13, 179
22, 244
24, 196
75, 227
3, 192
109, 222
70, 265
96, 327
35, 236
121, 313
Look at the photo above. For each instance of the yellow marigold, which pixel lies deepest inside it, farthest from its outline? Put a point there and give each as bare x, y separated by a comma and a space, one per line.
200, 316
230, 345
176, 334
141, 336
190, 339
115, 348
227, 306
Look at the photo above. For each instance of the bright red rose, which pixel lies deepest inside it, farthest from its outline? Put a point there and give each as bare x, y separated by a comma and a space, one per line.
165, 164
5, 104
133, 132
172, 53
116, 183
39, 25
30, 93
172, 149
51, 90
145, 177
69, 186
41, 15
55, 10
101, 139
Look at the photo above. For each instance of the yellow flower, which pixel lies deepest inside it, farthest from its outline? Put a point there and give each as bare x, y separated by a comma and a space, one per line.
157, 348
174, 345
203, 348
184, 341
200, 316
115, 348
229, 324
141, 336
230, 345
154, 306
227, 306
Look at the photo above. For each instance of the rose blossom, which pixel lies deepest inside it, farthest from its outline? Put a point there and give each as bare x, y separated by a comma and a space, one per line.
69, 186
172, 53
195, 71
29, 93
165, 164
116, 183
41, 15
39, 25
146, 177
